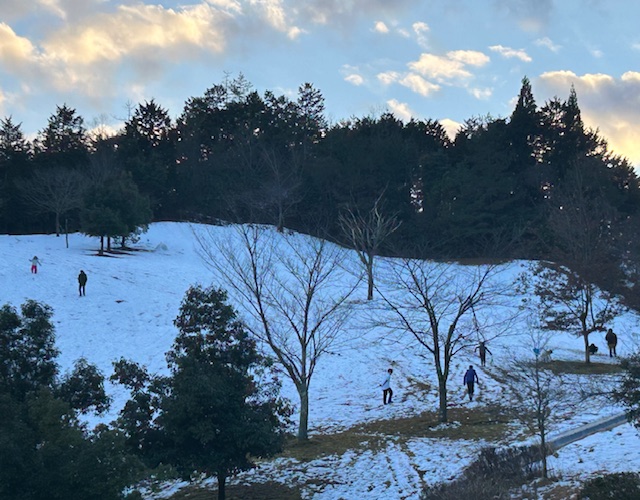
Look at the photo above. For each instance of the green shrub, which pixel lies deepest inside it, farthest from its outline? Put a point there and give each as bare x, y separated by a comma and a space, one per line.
619, 486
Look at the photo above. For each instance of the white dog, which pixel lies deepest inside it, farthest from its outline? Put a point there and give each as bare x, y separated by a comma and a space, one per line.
545, 357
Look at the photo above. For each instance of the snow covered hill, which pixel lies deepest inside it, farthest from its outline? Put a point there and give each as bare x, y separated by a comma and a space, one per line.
132, 299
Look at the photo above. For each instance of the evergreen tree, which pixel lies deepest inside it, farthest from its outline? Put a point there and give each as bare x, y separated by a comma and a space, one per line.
146, 149
219, 407
114, 208
15, 165
63, 142
45, 452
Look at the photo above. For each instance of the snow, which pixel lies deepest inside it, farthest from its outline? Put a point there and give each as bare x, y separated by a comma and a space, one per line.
128, 311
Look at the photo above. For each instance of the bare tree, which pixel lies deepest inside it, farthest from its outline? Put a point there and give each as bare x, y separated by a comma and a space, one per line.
281, 191
54, 191
366, 234
435, 303
575, 290
538, 397
571, 303
294, 296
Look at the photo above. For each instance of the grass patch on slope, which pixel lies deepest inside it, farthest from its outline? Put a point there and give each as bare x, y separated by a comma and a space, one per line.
258, 491
582, 368
487, 423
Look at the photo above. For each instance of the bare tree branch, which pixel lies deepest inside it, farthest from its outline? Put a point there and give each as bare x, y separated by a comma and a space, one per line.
294, 296
435, 303
366, 234
54, 191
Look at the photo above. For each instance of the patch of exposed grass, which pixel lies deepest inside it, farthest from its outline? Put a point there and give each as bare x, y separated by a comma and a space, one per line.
481, 261
582, 368
488, 423
257, 491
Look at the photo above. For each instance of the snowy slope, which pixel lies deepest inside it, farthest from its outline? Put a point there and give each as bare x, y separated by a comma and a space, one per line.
132, 299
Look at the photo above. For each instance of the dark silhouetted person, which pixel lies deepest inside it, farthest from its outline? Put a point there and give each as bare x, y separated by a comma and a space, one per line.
35, 262
593, 349
82, 282
612, 342
482, 351
470, 378
387, 393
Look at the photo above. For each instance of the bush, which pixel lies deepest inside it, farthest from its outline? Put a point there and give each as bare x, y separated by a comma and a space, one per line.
491, 477
620, 486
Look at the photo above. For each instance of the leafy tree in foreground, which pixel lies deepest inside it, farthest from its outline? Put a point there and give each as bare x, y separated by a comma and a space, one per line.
218, 408
45, 451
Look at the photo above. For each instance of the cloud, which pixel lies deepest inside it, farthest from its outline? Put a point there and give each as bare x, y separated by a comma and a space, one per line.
531, 16
421, 29
400, 110
341, 15
607, 103
15, 51
452, 66
546, 42
381, 28
54, 7
138, 28
144, 38
471, 57
510, 53
354, 79
419, 85
481, 94
388, 77
451, 127
275, 14
635, 46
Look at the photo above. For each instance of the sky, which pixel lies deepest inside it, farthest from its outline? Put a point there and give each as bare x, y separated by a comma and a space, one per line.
132, 299
449, 60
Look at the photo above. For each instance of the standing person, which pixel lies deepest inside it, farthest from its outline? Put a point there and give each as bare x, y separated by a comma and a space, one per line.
82, 281
482, 351
470, 378
386, 388
612, 342
35, 262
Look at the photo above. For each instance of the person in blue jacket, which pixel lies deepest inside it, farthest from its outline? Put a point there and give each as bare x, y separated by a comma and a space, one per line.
470, 378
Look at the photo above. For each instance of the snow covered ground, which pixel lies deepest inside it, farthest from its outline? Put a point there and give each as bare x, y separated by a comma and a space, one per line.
128, 311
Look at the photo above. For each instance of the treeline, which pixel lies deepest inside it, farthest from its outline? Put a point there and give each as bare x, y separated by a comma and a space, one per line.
235, 155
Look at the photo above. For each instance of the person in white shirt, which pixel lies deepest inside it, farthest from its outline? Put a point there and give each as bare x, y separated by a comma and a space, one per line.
387, 393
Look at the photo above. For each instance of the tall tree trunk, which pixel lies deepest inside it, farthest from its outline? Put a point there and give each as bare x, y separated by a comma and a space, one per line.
587, 355
370, 279
303, 424
222, 478
101, 252
442, 394
57, 224
543, 453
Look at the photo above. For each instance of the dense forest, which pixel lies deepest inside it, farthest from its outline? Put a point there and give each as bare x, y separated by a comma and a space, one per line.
496, 190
